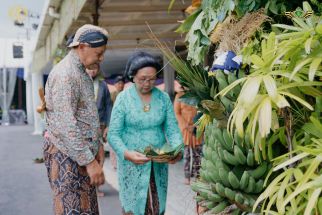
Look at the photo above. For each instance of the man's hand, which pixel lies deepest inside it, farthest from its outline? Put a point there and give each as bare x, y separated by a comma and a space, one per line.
136, 157
176, 159
95, 173
105, 134
100, 157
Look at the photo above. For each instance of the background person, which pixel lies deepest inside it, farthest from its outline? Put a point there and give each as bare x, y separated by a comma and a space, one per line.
103, 103
119, 86
193, 145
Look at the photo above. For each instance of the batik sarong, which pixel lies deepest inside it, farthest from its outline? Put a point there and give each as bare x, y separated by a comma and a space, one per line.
73, 194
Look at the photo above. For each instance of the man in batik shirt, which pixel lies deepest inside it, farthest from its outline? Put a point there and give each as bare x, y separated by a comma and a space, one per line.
73, 153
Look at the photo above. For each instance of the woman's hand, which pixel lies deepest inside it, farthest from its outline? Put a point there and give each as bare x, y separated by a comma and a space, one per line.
176, 159
136, 157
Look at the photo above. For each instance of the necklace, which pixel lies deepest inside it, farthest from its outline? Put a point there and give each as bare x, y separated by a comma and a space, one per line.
146, 107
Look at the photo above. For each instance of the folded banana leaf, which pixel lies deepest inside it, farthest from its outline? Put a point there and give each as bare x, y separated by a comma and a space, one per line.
167, 151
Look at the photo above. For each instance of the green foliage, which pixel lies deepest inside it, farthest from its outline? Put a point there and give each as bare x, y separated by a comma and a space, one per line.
297, 189
202, 22
282, 73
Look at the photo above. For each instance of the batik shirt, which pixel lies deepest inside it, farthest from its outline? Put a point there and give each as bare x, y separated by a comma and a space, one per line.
71, 112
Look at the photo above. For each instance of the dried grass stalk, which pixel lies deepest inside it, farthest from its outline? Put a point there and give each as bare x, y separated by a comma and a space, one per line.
233, 35
217, 33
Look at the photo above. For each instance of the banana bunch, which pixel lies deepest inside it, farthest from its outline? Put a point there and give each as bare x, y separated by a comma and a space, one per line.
223, 82
229, 173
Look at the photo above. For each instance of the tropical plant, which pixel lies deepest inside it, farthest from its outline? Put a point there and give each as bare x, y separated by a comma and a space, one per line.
281, 74
273, 110
203, 21
297, 189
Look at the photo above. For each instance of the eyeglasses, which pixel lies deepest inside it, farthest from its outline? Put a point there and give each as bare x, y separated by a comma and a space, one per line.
142, 81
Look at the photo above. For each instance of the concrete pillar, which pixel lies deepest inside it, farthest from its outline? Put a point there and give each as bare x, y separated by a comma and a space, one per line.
169, 77
37, 82
29, 100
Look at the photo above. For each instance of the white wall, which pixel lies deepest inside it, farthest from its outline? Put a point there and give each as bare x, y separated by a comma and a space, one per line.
6, 53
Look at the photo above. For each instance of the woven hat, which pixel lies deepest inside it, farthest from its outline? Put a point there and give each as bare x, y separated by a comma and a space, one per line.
93, 35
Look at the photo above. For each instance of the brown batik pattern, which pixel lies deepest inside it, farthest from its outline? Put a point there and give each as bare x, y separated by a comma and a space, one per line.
195, 159
70, 183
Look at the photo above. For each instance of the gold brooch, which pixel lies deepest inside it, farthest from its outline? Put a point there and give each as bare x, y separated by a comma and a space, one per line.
146, 107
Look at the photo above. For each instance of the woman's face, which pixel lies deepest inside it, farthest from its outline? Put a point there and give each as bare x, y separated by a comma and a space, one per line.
145, 79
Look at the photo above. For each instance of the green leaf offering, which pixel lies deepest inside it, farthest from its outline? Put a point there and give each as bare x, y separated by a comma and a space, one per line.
164, 154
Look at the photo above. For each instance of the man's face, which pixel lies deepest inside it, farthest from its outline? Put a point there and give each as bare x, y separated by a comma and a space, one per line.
91, 56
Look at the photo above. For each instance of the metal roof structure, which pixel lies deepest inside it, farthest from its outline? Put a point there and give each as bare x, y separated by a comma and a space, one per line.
127, 21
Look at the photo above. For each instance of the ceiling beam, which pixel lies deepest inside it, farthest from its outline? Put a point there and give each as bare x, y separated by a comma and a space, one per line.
114, 47
135, 7
142, 36
107, 23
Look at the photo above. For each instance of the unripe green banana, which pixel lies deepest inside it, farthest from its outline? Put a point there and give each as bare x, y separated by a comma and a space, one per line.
230, 158
239, 198
214, 197
239, 141
244, 180
220, 189
218, 135
251, 185
203, 163
204, 193
219, 208
207, 152
259, 171
204, 175
213, 144
200, 185
239, 155
250, 158
251, 201
220, 164
214, 157
233, 180
210, 204
199, 198
230, 194
214, 176
220, 151
247, 141
259, 186
228, 141
213, 172
224, 176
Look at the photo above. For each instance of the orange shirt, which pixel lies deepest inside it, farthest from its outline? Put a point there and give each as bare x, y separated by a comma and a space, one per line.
185, 114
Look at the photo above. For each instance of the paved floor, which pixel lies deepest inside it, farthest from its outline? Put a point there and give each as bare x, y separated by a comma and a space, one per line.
24, 188
180, 197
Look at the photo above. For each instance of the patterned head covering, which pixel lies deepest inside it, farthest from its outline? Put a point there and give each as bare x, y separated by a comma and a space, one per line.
138, 61
93, 35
